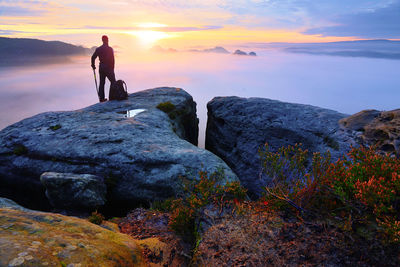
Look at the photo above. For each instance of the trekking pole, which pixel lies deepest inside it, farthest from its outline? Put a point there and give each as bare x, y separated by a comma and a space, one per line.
95, 81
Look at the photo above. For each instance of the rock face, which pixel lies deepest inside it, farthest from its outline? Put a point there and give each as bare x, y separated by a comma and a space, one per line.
9, 204
238, 127
48, 239
141, 158
240, 52
376, 128
74, 191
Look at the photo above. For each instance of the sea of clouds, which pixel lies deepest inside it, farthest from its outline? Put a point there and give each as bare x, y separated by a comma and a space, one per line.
344, 84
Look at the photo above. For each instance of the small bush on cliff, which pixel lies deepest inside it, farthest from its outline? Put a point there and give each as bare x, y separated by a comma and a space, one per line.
372, 180
96, 218
198, 194
362, 188
291, 184
162, 205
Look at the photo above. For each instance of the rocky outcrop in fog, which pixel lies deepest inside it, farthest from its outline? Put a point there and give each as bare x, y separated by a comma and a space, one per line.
141, 158
238, 127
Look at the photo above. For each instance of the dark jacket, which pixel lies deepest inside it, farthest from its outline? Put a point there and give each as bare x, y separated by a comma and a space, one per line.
106, 56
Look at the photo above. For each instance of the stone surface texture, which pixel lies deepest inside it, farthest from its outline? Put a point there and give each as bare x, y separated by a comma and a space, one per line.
376, 128
9, 204
48, 239
74, 191
238, 127
142, 158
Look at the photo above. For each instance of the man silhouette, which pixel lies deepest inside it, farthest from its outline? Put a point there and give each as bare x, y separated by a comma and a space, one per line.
106, 67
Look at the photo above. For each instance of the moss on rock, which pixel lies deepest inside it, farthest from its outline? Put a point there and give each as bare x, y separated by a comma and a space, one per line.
167, 107
47, 239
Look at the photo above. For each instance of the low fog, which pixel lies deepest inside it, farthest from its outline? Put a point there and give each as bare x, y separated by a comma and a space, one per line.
345, 84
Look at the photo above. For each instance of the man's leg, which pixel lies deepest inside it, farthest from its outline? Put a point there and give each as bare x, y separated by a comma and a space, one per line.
101, 86
111, 77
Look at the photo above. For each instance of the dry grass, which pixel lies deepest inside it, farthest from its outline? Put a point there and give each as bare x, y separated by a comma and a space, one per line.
161, 246
270, 239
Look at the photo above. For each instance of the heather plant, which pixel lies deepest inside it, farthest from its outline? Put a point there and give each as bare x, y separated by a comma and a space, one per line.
199, 193
292, 181
372, 179
96, 218
162, 205
362, 187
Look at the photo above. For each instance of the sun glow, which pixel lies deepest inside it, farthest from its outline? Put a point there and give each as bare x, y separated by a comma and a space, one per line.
149, 33
150, 25
148, 38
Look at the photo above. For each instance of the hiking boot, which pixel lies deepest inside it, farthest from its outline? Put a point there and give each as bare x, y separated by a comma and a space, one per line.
103, 100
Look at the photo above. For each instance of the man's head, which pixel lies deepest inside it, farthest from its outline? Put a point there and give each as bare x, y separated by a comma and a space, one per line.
104, 38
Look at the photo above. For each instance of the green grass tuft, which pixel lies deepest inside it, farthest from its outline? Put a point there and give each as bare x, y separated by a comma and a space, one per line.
167, 107
55, 127
20, 150
96, 218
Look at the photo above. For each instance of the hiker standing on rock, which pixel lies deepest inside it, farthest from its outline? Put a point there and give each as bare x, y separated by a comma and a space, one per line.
106, 67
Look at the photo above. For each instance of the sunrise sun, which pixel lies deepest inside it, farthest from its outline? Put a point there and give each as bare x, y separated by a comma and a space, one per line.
150, 32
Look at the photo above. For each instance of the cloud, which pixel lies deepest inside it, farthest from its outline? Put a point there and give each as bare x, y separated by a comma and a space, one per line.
18, 8
187, 29
9, 32
11, 11
379, 23
360, 18
163, 29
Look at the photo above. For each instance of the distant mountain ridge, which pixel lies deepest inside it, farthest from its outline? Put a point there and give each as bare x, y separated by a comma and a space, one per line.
16, 51
378, 48
216, 49
372, 42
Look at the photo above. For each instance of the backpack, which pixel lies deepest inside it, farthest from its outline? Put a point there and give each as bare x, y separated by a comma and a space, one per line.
118, 91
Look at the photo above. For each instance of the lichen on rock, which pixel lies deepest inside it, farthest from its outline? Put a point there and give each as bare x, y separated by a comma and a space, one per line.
48, 239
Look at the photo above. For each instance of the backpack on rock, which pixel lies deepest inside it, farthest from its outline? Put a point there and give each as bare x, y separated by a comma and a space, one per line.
118, 91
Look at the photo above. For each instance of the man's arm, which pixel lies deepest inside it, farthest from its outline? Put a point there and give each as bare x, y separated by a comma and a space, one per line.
94, 56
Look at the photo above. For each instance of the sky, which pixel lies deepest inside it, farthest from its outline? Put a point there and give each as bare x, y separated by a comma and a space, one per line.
200, 23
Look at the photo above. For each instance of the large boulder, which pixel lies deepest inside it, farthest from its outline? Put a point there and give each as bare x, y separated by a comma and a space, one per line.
376, 128
33, 238
74, 191
238, 127
47, 239
142, 157
9, 204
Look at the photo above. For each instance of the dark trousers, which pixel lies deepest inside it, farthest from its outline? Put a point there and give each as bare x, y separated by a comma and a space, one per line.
103, 72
